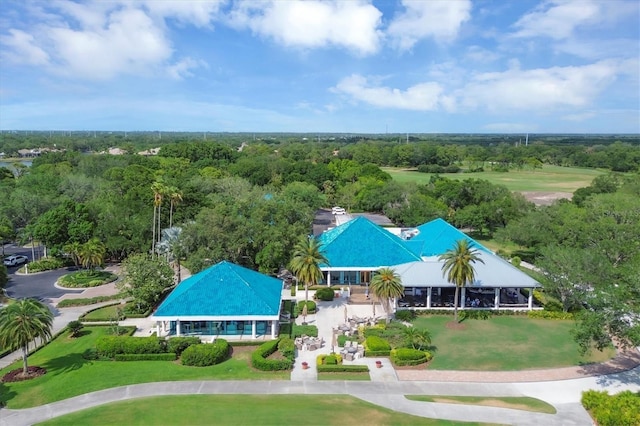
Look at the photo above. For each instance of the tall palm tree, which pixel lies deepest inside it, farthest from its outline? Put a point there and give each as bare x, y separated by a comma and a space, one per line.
306, 261
385, 286
159, 190
175, 197
21, 323
458, 267
92, 253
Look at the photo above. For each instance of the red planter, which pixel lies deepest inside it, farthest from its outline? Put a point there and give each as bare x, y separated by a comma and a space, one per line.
305, 365
378, 364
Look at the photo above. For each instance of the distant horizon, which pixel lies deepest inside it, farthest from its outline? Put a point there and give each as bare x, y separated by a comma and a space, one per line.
346, 67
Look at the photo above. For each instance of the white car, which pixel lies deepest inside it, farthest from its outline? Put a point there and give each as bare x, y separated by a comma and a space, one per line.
338, 210
16, 259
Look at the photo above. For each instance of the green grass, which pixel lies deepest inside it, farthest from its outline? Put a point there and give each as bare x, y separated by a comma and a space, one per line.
548, 179
245, 410
83, 279
106, 313
504, 343
515, 402
363, 376
69, 374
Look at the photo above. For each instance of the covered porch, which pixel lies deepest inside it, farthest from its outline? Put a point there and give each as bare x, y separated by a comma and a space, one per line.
229, 329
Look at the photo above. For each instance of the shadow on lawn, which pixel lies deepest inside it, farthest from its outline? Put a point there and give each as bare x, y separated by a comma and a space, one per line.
5, 395
66, 363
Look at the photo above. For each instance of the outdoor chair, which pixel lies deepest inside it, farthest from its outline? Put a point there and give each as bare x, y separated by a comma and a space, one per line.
348, 356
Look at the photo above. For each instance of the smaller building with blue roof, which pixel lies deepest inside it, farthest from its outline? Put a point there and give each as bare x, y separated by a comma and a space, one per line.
223, 300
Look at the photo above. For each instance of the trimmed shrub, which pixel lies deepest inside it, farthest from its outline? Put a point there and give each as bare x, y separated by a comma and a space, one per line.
177, 345
110, 346
45, 264
622, 409
406, 315
375, 343
342, 339
325, 293
65, 303
205, 355
307, 330
287, 347
147, 357
285, 330
409, 356
311, 307
259, 361
553, 315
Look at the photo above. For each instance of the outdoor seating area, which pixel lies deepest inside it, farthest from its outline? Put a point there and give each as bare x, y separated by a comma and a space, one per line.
308, 343
352, 350
351, 326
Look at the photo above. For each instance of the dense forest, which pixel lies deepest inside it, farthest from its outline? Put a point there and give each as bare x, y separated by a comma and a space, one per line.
248, 199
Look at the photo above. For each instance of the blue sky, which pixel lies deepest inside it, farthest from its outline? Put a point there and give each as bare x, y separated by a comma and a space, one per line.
457, 66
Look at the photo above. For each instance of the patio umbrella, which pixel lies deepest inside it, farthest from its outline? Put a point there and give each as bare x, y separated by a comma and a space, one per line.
334, 343
346, 316
304, 314
373, 302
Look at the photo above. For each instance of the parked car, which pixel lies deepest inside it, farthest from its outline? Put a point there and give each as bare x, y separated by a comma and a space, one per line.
338, 210
16, 259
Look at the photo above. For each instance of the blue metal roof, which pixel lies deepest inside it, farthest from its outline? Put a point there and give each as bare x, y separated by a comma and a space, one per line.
362, 243
438, 236
224, 289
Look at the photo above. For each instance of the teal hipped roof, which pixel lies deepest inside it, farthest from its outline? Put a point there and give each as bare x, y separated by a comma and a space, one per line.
224, 289
362, 243
438, 236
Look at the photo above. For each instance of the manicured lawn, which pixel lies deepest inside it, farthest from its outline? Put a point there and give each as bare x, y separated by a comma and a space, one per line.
515, 402
549, 178
106, 313
504, 343
245, 410
69, 374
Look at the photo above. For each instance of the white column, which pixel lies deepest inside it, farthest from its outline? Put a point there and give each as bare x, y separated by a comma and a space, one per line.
328, 278
253, 329
497, 298
530, 299
428, 297
273, 329
463, 299
177, 327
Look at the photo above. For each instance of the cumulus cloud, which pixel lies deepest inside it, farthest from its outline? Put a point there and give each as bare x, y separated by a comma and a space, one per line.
438, 19
312, 24
100, 40
420, 97
539, 89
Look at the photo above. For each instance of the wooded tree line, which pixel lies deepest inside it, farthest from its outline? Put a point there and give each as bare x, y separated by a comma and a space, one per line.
251, 207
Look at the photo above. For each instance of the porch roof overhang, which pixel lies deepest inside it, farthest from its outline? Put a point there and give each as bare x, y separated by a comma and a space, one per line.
214, 318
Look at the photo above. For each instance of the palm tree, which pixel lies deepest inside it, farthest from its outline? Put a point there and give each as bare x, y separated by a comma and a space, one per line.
159, 190
175, 197
21, 323
92, 253
306, 261
74, 249
417, 338
458, 267
386, 285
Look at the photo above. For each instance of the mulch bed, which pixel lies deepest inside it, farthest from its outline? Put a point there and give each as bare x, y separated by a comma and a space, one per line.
452, 325
17, 375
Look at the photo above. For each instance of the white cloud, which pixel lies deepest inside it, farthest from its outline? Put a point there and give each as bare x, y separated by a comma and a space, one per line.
421, 97
311, 24
558, 19
22, 48
539, 89
439, 19
480, 54
183, 67
197, 13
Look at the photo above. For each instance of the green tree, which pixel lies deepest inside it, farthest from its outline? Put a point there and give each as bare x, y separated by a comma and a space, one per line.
74, 328
306, 261
92, 253
145, 280
417, 338
385, 286
21, 323
74, 250
458, 268
175, 197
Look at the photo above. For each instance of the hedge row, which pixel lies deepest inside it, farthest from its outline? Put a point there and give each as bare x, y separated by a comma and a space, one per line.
287, 347
147, 357
205, 355
376, 344
326, 294
551, 315
259, 361
409, 356
177, 345
332, 359
110, 346
307, 330
65, 303
342, 368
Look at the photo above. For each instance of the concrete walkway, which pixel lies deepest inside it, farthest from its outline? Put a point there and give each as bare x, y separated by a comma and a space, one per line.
386, 388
